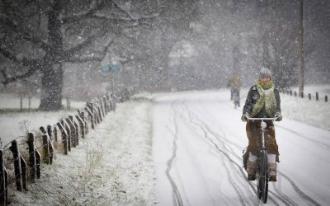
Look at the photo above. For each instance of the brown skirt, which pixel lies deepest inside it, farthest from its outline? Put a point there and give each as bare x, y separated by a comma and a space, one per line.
253, 131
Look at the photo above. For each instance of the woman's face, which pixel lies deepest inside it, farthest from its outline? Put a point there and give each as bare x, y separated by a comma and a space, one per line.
265, 79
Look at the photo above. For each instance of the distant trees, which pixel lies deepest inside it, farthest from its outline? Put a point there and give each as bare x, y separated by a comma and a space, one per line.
40, 36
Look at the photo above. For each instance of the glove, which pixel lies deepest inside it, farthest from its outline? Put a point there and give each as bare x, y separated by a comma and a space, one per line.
278, 115
244, 117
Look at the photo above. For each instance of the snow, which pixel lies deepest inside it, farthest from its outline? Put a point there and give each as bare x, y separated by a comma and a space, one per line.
112, 166
13, 125
198, 143
17, 124
185, 148
12, 101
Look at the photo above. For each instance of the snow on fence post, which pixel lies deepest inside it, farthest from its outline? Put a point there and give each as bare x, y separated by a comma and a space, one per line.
82, 116
76, 130
17, 165
64, 135
32, 157
101, 107
68, 131
98, 107
47, 147
3, 181
317, 96
81, 126
309, 96
326, 98
55, 133
89, 110
106, 109
72, 141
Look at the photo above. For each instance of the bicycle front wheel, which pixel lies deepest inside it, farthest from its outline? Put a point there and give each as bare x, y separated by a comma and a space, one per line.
263, 177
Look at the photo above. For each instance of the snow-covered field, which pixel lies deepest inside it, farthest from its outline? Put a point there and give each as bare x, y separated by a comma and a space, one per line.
112, 166
17, 124
12, 101
185, 149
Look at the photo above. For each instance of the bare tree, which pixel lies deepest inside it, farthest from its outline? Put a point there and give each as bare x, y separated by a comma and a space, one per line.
59, 32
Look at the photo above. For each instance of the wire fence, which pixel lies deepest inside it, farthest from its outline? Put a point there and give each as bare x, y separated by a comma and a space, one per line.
21, 159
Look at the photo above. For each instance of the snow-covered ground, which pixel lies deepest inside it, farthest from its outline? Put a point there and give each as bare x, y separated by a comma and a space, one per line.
12, 101
17, 124
198, 143
185, 149
112, 166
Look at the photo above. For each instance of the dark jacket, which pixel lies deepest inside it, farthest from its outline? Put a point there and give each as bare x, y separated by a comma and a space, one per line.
252, 98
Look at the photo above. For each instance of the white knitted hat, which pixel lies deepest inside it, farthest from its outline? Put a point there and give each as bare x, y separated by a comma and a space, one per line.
265, 72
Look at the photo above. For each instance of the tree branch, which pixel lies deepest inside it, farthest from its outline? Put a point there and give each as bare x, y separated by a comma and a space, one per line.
24, 62
99, 57
75, 18
82, 45
8, 79
24, 35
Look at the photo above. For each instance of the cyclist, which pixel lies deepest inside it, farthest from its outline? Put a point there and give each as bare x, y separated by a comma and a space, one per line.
263, 100
235, 85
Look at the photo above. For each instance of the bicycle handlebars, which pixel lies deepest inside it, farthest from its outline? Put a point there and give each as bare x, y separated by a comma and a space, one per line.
267, 118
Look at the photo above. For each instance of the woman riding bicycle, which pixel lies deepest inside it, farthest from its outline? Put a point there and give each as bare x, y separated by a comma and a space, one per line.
263, 101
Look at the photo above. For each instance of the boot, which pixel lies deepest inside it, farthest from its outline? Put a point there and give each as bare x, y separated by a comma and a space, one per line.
251, 169
272, 172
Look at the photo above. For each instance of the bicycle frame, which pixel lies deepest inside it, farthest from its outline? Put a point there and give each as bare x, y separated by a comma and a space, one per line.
262, 186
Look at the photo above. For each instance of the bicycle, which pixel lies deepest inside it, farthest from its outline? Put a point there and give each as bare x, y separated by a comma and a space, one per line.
236, 98
262, 161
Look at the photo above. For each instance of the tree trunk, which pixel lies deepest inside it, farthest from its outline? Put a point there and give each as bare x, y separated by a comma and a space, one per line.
51, 95
52, 72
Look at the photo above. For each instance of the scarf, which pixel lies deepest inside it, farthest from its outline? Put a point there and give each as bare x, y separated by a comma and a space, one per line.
267, 99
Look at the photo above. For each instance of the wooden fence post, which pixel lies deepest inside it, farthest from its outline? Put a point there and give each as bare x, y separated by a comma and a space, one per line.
68, 132
99, 113
76, 132
290, 92
317, 96
55, 133
17, 165
91, 115
82, 116
3, 181
24, 173
81, 126
32, 157
46, 146
309, 96
72, 133
295, 93
64, 137
326, 98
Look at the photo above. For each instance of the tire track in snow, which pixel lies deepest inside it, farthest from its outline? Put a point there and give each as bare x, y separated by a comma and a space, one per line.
285, 199
177, 200
193, 160
321, 144
231, 179
201, 124
299, 191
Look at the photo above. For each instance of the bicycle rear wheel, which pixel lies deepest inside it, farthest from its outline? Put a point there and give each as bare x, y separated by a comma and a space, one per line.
263, 177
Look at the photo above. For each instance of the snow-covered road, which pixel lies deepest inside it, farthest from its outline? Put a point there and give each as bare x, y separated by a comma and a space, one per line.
197, 147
